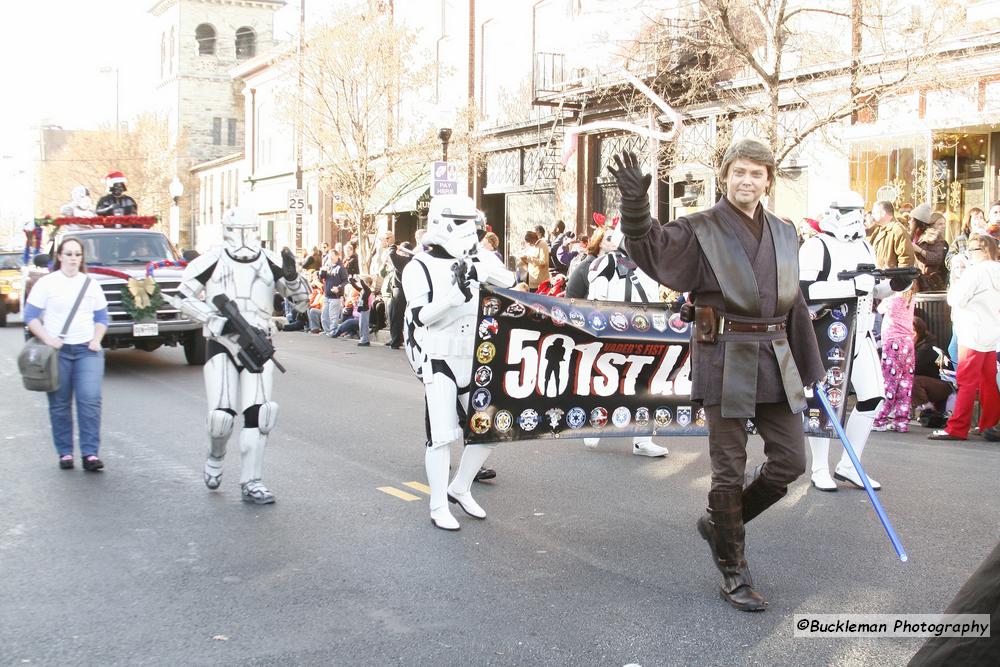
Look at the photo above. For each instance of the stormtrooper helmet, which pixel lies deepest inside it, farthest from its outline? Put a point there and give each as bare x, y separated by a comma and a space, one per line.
845, 219
80, 196
241, 233
451, 224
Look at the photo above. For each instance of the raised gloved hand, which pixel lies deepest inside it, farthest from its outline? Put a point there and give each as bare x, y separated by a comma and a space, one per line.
288, 265
634, 188
864, 284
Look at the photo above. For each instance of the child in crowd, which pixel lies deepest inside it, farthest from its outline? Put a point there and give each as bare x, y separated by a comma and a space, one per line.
897, 361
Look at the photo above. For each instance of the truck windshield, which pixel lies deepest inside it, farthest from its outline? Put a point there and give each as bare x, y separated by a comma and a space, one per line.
10, 261
132, 248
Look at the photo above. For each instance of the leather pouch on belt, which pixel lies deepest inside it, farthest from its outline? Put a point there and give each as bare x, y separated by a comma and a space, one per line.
705, 324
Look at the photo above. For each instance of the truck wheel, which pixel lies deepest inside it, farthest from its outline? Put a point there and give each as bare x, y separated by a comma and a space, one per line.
196, 348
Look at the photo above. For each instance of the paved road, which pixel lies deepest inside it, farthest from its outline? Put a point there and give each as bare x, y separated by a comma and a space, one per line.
587, 558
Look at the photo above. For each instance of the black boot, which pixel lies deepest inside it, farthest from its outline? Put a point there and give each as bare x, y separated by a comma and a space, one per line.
759, 493
723, 529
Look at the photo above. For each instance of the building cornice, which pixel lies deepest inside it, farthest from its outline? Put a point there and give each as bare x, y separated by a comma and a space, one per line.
161, 6
217, 162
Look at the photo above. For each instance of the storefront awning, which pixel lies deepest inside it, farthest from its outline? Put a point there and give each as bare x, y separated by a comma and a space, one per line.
398, 192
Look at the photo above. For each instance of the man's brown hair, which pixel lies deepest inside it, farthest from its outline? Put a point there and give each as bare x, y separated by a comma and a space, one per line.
749, 149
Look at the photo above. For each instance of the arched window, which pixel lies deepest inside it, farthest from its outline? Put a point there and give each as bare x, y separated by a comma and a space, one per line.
246, 43
205, 34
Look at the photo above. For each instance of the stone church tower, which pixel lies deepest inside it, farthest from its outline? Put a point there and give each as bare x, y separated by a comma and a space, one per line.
200, 42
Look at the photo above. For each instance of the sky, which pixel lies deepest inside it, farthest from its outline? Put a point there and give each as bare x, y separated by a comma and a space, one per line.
53, 52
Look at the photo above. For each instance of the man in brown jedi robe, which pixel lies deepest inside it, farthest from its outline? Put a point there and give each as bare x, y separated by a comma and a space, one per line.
753, 346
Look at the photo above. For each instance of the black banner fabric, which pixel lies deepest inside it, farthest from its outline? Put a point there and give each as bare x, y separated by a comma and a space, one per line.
548, 367
834, 326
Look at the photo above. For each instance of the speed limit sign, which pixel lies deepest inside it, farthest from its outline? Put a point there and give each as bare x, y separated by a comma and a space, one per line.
297, 200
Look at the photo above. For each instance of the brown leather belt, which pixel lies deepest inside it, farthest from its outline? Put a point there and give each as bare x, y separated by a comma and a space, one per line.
728, 326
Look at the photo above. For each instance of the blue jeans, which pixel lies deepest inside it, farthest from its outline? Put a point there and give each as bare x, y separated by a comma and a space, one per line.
331, 314
363, 325
347, 327
80, 375
315, 321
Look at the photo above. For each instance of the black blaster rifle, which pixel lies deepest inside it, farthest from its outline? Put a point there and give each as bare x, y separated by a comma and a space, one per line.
255, 348
905, 274
459, 276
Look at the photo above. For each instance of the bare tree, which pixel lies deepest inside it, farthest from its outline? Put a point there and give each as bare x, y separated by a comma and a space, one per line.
363, 115
143, 152
782, 71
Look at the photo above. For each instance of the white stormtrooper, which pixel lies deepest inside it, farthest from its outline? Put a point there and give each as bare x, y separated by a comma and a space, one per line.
441, 284
615, 277
79, 205
232, 282
841, 246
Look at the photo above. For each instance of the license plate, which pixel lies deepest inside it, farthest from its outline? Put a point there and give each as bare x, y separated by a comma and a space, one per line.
145, 329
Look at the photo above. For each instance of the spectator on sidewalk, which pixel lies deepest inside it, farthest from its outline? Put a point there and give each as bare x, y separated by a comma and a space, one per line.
535, 260
930, 392
399, 256
975, 312
334, 278
889, 239
929, 247
361, 284
897, 361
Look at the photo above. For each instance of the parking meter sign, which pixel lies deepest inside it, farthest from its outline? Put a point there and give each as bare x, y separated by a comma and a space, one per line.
444, 179
445, 188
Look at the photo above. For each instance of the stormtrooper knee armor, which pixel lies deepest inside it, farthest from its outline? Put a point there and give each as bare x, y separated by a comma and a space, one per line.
440, 334
841, 246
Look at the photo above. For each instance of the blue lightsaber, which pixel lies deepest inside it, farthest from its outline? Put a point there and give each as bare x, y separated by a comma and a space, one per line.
832, 415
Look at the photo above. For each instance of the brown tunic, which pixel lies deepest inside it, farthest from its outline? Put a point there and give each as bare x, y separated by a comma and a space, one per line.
671, 254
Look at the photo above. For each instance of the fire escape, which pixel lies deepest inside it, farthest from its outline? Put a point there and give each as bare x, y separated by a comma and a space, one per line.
551, 88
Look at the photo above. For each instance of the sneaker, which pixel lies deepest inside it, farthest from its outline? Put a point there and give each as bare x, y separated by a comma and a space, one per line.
649, 449
66, 462
92, 464
883, 427
364, 343
255, 492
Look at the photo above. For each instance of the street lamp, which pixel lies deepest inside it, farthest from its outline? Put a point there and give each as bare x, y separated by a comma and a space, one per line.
176, 190
444, 134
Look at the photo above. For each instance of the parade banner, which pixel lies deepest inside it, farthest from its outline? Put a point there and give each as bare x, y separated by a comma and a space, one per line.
547, 367
834, 325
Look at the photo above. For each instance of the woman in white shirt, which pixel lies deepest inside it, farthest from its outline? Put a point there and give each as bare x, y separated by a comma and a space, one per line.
975, 313
81, 359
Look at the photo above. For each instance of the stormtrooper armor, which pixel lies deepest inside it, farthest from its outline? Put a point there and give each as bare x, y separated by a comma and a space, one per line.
841, 246
615, 277
79, 205
440, 326
248, 275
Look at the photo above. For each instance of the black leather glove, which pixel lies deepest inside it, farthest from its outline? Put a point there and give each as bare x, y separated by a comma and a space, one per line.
634, 188
899, 284
288, 265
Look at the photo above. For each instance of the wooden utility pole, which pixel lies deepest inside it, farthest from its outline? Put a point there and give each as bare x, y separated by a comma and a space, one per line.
856, 21
300, 120
471, 106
